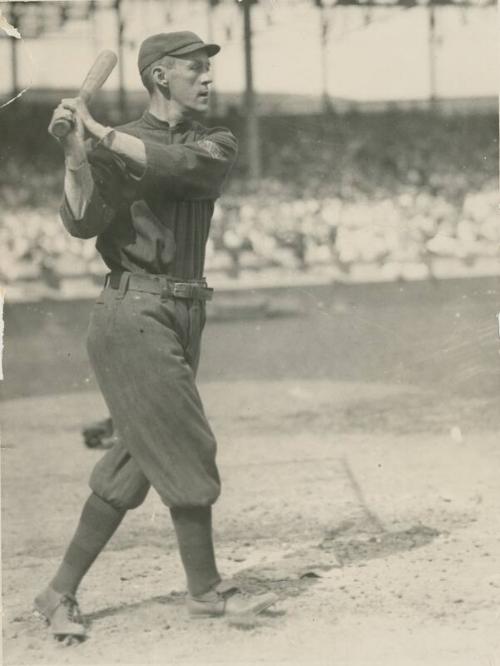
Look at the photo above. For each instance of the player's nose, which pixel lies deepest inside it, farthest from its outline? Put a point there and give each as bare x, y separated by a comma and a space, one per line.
206, 78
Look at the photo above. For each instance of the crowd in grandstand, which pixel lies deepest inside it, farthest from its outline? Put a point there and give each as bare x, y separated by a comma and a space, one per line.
356, 195
266, 229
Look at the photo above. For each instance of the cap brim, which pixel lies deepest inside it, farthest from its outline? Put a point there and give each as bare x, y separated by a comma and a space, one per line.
210, 49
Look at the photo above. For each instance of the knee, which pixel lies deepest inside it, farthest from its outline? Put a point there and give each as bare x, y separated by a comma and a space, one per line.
124, 499
134, 501
201, 498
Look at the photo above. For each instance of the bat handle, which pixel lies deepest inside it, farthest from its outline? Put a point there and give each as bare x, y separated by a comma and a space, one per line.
60, 128
85, 96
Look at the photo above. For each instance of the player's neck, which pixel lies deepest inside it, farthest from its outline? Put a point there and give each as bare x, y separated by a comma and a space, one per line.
167, 110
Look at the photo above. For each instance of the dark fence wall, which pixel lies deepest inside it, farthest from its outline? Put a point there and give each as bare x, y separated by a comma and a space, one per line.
311, 153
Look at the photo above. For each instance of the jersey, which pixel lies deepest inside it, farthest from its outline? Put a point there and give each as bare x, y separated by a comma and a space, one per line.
159, 222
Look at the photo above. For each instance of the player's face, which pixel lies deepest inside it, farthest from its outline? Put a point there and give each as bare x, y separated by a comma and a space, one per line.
189, 81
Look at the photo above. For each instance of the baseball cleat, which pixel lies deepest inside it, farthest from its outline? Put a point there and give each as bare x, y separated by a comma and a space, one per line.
62, 613
228, 600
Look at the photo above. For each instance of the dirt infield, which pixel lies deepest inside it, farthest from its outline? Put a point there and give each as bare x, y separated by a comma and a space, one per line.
363, 489
383, 548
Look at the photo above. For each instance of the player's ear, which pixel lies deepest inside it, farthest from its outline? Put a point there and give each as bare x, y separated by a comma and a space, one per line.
159, 74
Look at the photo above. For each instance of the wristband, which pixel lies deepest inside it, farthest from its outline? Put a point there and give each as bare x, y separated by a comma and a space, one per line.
107, 138
75, 167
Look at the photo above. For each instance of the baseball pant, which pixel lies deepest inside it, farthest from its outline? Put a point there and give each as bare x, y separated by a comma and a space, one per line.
144, 350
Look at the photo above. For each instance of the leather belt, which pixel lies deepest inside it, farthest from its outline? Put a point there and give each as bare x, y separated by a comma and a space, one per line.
163, 285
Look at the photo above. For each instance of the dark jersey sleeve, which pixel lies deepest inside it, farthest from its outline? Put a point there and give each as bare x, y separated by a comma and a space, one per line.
107, 174
191, 170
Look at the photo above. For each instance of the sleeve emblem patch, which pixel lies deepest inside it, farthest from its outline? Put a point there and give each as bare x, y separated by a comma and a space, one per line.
212, 149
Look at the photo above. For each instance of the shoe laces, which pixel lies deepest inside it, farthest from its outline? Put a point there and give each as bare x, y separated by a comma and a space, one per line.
73, 612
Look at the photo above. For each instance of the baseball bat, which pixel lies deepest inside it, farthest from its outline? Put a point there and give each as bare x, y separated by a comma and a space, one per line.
97, 75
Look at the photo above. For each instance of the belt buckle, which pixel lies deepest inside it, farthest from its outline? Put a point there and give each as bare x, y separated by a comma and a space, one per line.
182, 290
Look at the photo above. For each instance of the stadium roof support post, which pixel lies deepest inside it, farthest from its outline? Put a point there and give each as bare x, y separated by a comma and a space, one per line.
120, 27
252, 121
432, 53
212, 100
13, 51
324, 20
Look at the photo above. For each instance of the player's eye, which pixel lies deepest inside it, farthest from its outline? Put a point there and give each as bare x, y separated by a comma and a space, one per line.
200, 67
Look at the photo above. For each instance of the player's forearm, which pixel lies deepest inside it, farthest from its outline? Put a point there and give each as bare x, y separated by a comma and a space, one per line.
83, 212
78, 182
130, 148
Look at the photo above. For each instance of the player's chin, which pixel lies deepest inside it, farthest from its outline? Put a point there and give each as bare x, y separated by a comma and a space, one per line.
201, 103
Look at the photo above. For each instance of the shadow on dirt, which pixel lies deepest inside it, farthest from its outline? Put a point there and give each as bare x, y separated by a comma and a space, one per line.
349, 549
347, 544
174, 598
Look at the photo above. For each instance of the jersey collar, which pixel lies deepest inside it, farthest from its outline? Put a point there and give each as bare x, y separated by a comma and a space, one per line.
153, 121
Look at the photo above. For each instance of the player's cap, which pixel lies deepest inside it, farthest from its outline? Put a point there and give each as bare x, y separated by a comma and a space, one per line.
173, 44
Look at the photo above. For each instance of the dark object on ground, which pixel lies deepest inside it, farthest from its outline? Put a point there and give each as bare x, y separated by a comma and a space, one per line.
99, 435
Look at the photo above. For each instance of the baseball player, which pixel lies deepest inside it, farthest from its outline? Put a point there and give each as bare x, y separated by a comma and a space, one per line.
146, 190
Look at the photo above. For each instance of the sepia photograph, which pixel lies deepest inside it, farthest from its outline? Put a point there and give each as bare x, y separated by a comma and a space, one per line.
249, 332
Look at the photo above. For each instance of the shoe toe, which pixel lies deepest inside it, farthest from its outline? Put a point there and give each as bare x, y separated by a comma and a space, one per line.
251, 605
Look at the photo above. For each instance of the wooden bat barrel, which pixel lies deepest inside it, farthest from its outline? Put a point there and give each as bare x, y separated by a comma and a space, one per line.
97, 75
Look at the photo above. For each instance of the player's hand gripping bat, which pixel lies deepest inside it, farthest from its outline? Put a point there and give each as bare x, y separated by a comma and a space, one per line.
98, 73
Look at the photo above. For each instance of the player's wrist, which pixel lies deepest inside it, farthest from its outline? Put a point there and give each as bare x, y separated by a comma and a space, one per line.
75, 165
75, 154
